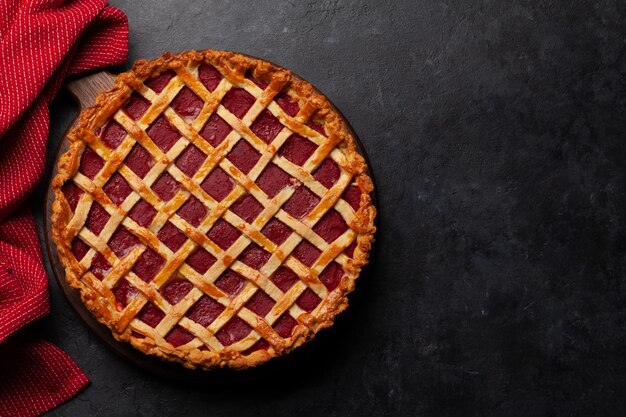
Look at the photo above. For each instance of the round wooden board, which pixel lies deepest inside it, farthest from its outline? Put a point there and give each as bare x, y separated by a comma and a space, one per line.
85, 91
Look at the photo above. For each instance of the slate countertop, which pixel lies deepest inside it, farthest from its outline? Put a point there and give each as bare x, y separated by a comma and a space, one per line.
496, 133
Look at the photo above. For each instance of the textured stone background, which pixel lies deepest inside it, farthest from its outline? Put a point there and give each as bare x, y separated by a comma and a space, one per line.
495, 130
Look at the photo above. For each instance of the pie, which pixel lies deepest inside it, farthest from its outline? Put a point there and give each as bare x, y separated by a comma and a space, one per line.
212, 209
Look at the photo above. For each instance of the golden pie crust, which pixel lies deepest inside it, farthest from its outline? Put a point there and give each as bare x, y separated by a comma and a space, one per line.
214, 344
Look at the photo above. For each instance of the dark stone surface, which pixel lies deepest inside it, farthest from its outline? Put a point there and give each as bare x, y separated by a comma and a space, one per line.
496, 130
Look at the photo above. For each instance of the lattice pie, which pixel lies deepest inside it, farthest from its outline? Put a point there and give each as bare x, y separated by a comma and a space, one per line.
212, 209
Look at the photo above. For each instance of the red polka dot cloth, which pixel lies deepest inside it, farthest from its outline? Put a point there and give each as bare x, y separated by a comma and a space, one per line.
42, 42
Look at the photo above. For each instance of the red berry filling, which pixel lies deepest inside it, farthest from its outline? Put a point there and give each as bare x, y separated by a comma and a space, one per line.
117, 189
261, 83
90, 163
209, 76
97, 218
308, 300
230, 282
233, 331
193, 211
284, 325
163, 134
215, 130
79, 248
204, 311
353, 196
139, 160
247, 207
148, 264
124, 293
301, 202
151, 315
200, 260
238, 101
171, 236
142, 213
187, 103
297, 149
190, 160
72, 193
112, 134
122, 242
176, 290
254, 256
178, 336
317, 127
284, 278
223, 234
350, 249
166, 187
286, 103
244, 156
276, 231
218, 184
331, 276
327, 173
260, 303
331, 226
136, 106
306, 253
272, 180
266, 126
100, 267
260, 345
158, 83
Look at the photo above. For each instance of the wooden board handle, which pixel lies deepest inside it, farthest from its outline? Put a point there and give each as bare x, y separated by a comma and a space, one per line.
86, 89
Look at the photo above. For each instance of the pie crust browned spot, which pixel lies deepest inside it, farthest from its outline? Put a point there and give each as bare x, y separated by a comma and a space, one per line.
212, 209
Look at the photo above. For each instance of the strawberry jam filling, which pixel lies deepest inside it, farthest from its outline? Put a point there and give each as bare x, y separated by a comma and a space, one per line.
247, 207
158, 83
276, 231
209, 76
260, 303
230, 282
297, 149
284, 325
331, 226
353, 196
306, 253
244, 156
193, 211
254, 256
171, 236
187, 103
136, 106
331, 276
72, 193
327, 173
148, 264
215, 130
190, 160
142, 213
122, 242
317, 127
124, 293
238, 101
308, 300
205, 311
350, 249
166, 187
272, 180
112, 134
259, 82
151, 315
288, 104
200, 260
79, 248
139, 160
178, 336
218, 184
284, 278
176, 290
97, 218
266, 126
117, 189
233, 331
301, 202
163, 134
259, 345
223, 234
90, 163
100, 267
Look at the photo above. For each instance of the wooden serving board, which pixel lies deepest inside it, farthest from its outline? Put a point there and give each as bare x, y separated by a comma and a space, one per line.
85, 90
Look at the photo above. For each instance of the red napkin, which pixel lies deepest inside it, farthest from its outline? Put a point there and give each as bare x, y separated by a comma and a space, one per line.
41, 43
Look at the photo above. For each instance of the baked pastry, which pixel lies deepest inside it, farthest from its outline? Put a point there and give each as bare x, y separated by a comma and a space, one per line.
212, 209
